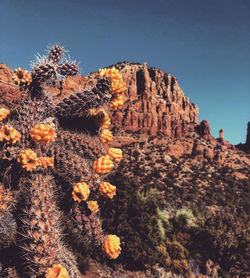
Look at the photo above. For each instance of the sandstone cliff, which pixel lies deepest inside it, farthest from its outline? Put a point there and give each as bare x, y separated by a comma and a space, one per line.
155, 102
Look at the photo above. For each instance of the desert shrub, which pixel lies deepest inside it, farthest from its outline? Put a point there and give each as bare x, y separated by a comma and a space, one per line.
173, 257
184, 218
163, 222
145, 223
132, 216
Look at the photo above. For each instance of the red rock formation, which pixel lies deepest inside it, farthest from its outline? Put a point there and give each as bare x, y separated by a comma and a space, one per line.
155, 103
221, 136
204, 130
248, 137
246, 147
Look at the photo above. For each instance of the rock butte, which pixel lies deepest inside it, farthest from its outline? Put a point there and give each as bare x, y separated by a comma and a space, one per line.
155, 102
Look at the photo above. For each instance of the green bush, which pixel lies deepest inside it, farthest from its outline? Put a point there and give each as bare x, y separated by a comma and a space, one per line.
132, 216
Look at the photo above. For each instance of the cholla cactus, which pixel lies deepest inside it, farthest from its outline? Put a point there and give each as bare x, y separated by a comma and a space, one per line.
43, 163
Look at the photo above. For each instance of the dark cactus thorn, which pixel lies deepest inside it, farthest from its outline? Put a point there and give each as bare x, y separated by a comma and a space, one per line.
52, 166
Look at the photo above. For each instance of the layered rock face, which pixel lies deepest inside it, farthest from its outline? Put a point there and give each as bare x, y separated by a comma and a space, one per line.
155, 102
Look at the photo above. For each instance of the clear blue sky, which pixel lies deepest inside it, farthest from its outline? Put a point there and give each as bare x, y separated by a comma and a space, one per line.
204, 43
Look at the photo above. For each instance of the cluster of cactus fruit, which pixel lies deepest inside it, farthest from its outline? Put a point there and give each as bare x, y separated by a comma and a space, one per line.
49, 173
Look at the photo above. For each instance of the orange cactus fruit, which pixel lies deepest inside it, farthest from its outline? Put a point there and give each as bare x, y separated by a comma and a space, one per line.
45, 162
93, 206
21, 77
42, 134
9, 134
117, 102
108, 190
103, 72
117, 85
106, 136
80, 192
111, 246
28, 159
4, 113
103, 165
106, 121
57, 271
115, 154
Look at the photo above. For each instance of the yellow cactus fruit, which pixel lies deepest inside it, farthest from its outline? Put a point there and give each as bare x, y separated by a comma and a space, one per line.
103, 72
22, 77
45, 162
80, 192
106, 121
117, 102
111, 246
108, 190
115, 154
93, 206
57, 271
117, 85
9, 134
4, 113
28, 159
106, 136
103, 165
42, 134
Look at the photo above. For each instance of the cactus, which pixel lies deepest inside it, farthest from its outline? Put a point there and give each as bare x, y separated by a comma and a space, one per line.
7, 222
83, 101
52, 174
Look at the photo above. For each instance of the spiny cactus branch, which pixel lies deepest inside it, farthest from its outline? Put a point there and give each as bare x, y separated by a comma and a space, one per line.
54, 173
